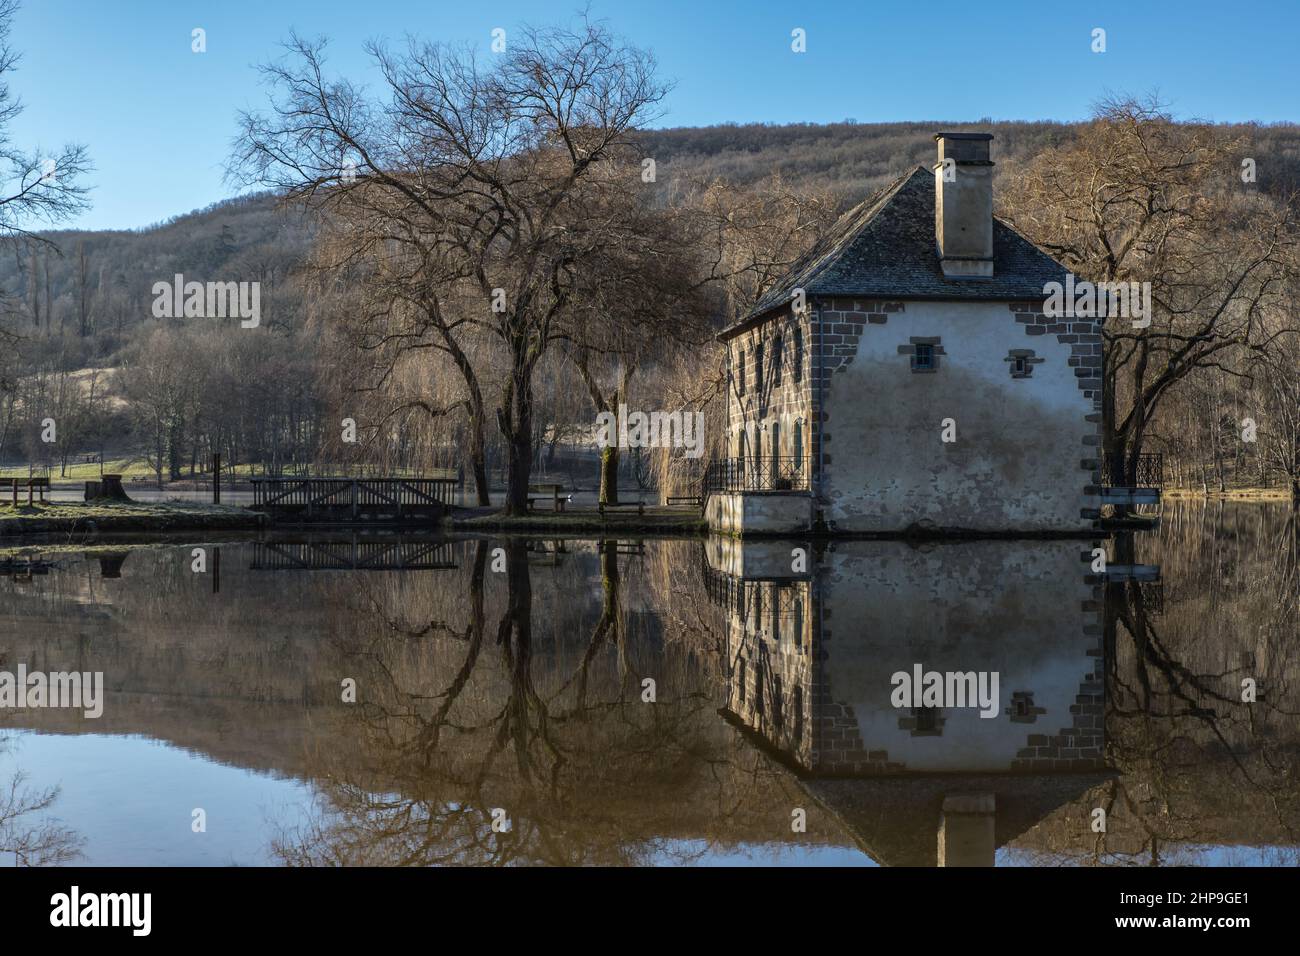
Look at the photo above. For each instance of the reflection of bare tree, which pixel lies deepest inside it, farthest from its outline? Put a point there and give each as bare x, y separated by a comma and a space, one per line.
33, 841
1198, 766
550, 729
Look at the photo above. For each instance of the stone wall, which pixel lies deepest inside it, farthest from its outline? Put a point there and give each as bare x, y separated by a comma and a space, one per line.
1022, 395
750, 513
774, 407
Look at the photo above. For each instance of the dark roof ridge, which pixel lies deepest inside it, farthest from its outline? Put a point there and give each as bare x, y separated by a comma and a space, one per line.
885, 248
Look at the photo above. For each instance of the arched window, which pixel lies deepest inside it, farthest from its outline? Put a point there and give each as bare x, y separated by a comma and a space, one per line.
798, 355
798, 444
778, 359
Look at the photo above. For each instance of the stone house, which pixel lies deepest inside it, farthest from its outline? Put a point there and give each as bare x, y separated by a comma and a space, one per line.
904, 376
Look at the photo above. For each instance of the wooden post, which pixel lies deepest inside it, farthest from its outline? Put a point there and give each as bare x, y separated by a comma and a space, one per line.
216, 479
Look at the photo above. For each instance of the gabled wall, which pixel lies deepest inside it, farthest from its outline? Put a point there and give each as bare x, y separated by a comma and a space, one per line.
1026, 447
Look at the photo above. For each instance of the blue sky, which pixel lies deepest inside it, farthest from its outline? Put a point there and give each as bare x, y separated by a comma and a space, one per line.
119, 75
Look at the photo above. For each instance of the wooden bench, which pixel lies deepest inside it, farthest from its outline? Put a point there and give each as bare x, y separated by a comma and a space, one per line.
638, 505
552, 493
138, 480
40, 485
695, 500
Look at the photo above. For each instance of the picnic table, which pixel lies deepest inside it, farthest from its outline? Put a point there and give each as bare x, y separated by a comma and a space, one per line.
33, 485
548, 492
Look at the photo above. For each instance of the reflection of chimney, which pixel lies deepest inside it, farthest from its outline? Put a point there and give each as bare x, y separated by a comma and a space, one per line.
963, 205
966, 830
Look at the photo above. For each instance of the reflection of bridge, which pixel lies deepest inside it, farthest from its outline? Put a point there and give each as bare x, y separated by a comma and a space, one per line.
354, 554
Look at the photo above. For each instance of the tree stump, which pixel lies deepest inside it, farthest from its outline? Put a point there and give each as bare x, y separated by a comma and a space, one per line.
111, 488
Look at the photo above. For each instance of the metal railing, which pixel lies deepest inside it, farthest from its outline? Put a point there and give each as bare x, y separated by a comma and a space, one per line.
750, 474
1117, 471
353, 494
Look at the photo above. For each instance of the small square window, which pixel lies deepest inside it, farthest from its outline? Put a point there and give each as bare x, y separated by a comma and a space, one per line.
1019, 366
923, 358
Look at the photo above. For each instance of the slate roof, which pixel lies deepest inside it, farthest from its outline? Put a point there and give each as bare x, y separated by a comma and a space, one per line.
884, 248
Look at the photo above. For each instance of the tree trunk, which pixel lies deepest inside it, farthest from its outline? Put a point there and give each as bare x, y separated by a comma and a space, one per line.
477, 422
517, 427
477, 454
609, 458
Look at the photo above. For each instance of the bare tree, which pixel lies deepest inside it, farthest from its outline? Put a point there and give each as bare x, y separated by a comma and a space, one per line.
1280, 439
45, 842
481, 178
33, 187
1137, 197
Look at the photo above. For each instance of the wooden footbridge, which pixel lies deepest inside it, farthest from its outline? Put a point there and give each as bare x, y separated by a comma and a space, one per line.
354, 499
353, 554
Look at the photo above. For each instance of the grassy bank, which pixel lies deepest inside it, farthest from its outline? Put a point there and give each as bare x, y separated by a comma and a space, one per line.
118, 517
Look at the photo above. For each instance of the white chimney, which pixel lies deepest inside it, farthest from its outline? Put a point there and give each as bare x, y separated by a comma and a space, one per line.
963, 205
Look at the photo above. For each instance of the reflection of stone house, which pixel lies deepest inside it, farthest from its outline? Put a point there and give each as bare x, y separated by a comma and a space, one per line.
810, 660
811, 656
904, 374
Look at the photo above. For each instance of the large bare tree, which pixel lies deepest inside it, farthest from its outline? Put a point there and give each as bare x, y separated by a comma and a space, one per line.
1138, 197
471, 177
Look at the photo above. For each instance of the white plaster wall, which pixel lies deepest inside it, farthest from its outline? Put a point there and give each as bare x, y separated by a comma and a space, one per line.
1015, 607
1016, 463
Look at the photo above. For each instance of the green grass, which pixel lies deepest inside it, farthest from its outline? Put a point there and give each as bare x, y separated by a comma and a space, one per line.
80, 471
110, 509
120, 516
130, 468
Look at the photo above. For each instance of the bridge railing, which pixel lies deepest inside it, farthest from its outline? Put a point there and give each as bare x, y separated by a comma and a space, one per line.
308, 494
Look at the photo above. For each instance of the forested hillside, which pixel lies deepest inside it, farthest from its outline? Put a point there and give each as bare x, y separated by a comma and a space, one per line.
171, 391
97, 284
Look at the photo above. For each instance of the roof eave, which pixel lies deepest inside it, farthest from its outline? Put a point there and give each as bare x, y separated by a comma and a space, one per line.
757, 318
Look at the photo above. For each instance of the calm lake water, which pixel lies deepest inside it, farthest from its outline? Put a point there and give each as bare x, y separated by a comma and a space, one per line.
382, 700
